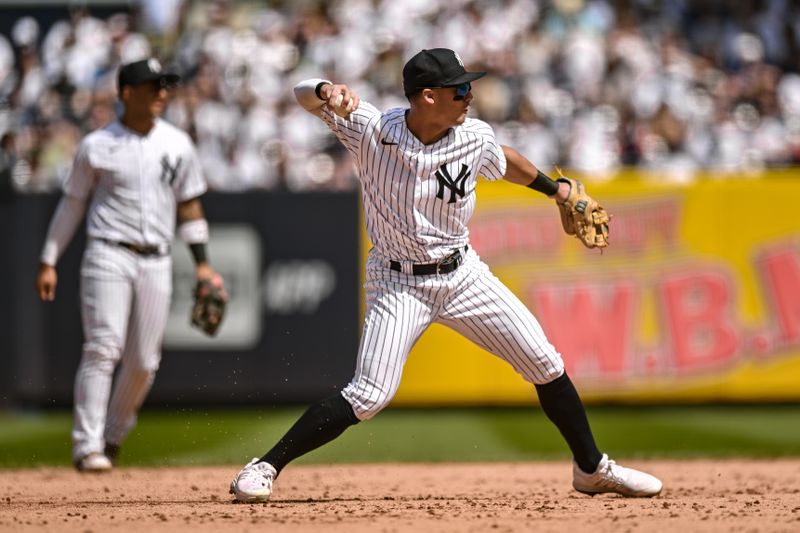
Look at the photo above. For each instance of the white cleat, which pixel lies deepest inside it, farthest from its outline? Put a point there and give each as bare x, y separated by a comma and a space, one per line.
253, 483
94, 462
611, 477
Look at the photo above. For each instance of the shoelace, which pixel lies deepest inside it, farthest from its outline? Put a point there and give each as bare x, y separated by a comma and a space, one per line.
253, 471
609, 476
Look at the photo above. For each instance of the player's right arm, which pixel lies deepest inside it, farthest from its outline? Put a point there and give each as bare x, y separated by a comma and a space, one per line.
315, 93
347, 116
65, 221
68, 215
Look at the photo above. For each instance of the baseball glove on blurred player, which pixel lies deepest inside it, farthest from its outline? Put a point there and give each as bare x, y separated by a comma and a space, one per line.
582, 216
210, 300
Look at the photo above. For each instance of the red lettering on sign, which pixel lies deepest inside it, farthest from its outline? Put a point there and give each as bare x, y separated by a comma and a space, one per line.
511, 233
592, 326
635, 227
697, 308
781, 273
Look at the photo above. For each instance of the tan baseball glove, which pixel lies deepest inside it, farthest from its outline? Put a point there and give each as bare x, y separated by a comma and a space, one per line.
210, 300
582, 216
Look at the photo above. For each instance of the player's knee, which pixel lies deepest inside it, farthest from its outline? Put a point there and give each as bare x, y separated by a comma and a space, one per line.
142, 365
367, 402
549, 373
368, 413
102, 351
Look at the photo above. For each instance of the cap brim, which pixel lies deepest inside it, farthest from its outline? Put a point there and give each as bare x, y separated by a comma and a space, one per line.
167, 79
464, 78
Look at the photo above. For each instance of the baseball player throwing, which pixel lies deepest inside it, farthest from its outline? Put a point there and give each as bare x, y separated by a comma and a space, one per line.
418, 169
132, 176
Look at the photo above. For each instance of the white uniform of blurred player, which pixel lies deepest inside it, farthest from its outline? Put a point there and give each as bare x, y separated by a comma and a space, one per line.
418, 169
132, 177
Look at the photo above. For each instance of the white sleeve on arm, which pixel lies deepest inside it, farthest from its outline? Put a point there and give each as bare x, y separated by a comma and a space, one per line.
493, 164
306, 94
190, 182
68, 215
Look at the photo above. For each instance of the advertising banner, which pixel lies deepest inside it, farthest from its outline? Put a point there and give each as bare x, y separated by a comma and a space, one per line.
696, 299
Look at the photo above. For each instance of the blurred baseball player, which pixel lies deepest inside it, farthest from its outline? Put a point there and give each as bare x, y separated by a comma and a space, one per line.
418, 169
133, 176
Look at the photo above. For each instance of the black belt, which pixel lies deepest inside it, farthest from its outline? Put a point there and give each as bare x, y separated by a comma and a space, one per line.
140, 249
445, 266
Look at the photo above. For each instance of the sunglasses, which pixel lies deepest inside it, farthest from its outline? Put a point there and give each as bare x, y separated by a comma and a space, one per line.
164, 84
462, 91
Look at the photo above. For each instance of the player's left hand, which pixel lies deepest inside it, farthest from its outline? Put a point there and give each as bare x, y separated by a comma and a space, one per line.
210, 300
582, 216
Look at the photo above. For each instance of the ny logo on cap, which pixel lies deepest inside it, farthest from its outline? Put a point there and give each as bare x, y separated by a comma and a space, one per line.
154, 65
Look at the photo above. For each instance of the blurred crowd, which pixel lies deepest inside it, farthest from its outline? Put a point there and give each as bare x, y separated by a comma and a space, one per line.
673, 87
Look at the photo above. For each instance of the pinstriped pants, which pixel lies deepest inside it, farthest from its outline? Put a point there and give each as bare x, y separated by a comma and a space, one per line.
124, 303
470, 300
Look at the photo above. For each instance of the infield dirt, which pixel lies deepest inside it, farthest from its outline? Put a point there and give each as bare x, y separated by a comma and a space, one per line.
725, 495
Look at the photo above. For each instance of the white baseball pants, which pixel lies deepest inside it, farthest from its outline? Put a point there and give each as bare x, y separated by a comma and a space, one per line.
124, 302
470, 300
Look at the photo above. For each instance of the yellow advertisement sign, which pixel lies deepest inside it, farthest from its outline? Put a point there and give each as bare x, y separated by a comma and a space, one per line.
696, 299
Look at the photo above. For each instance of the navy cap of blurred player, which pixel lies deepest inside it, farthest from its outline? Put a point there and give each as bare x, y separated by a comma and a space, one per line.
145, 71
437, 67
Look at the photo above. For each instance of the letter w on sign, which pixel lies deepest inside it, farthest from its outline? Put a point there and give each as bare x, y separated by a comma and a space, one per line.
456, 186
169, 172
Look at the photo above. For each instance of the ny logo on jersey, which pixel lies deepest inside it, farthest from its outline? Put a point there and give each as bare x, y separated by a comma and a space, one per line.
456, 186
169, 172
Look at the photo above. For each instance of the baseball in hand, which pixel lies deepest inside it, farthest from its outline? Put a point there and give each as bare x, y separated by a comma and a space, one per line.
341, 109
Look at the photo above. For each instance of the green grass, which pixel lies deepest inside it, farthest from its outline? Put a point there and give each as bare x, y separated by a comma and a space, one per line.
201, 436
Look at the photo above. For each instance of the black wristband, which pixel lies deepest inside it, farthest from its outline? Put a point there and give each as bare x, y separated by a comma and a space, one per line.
198, 250
544, 184
318, 87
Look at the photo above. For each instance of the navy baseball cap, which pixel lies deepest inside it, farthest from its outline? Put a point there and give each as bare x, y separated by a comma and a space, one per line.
437, 67
145, 71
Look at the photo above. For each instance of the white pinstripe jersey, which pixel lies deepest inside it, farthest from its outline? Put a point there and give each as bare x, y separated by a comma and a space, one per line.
417, 198
135, 181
